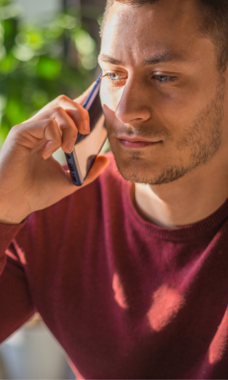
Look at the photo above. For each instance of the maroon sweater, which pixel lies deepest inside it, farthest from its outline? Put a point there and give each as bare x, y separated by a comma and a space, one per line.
125, 299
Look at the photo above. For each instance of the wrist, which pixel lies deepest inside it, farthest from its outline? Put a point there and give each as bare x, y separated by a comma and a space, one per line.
12, 218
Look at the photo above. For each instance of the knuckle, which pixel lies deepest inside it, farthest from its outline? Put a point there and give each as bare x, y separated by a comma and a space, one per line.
14, 130
52, 126
62, 98
52, 123
58, 109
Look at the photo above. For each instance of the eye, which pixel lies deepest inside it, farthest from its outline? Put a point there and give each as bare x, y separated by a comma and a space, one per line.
114, 77
164, 78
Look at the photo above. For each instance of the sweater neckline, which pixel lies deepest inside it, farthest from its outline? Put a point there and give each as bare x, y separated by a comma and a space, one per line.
206, 225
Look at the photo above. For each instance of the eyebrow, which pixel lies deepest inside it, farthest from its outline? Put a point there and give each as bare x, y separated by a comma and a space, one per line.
157, 58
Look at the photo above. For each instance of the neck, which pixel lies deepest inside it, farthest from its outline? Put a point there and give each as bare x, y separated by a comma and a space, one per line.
185, 201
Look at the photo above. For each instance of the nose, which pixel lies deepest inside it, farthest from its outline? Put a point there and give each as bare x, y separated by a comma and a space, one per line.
133, 106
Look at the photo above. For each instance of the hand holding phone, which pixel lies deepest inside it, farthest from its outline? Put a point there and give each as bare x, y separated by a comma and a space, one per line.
30, 178
87, 147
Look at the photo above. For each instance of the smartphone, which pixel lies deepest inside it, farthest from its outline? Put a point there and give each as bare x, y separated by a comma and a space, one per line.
87, 147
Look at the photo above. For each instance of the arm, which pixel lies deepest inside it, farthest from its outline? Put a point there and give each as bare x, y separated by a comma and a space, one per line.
16, 305
31, 180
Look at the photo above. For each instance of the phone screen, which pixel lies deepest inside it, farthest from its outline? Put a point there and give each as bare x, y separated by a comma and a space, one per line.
88, 146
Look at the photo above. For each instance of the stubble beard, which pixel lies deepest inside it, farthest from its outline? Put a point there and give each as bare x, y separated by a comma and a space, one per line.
203, 139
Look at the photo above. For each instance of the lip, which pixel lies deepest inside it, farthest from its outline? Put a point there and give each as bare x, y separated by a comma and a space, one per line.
136, 142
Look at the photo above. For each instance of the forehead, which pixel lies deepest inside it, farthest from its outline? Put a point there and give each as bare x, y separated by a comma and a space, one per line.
167, 25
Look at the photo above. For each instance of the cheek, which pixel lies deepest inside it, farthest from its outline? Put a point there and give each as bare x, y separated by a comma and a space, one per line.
108, 104
175, 111
168, 114
181, 107
110, 96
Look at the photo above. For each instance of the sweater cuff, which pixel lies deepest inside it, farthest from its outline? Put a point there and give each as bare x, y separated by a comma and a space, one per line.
7, 234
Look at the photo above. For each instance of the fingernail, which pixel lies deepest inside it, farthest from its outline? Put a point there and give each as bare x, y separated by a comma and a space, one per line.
86, 126
48, 150
70, 145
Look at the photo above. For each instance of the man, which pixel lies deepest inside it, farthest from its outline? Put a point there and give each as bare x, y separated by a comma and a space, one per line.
129, 272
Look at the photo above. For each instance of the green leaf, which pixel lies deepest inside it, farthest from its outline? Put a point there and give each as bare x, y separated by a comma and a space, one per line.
2, 52
4, 130
22, 53
53, 32
8, 64
3, 102
67, 21
33, 70
35, 39
39, 99
84, 43
48, 68
9, 11
89, 62
15, 112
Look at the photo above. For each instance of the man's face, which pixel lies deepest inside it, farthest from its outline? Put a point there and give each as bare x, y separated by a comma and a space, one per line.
162, 93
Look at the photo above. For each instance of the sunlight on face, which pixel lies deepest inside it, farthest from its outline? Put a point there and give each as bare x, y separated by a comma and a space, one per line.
160, 86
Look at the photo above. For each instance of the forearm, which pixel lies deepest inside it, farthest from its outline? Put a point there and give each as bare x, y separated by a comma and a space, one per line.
16, 303
15, 299
7, 234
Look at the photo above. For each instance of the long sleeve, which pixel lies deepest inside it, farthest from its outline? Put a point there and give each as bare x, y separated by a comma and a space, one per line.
16, 305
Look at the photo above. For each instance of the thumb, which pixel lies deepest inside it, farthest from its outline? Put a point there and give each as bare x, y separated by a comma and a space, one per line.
99, 165
64, 182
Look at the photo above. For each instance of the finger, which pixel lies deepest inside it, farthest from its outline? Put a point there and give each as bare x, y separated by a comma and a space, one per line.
53, 137
78, 113
74, 109
64, 100
67, 127
37, 135
70, 121
80, 116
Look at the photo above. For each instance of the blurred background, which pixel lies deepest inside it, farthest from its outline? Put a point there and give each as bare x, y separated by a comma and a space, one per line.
47, 48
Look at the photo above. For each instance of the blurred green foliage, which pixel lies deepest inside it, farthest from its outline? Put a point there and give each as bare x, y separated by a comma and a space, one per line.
34, 68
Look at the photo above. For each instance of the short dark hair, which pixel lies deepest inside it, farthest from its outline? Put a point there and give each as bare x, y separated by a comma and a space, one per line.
214, 15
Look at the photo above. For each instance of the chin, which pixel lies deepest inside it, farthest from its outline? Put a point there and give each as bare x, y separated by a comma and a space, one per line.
139, 170
134, 169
